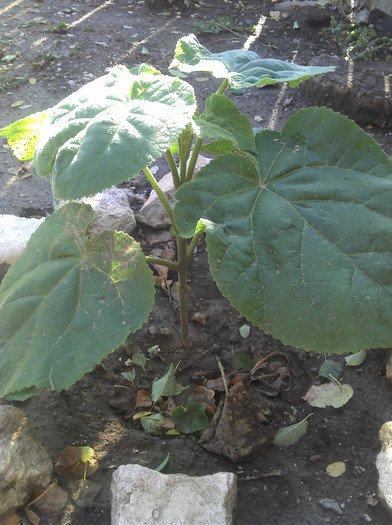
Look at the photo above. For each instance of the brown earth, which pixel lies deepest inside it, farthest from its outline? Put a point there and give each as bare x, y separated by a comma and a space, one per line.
283, 486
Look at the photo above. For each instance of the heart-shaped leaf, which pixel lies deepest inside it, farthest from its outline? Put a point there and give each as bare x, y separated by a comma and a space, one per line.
191, 419
243, 69
110, 129
299, 236
69, 300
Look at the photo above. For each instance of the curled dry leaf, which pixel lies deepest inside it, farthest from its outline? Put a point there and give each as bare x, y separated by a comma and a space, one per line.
328, 394
205, 396
199, 318
218, 384
77, 462
143, 398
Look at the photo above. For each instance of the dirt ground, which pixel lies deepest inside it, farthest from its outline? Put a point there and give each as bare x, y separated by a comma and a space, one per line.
285, 485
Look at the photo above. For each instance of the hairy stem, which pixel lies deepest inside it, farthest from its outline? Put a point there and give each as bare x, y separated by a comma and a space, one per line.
173, 168
183, 291
184, 149
192, 162
192, 245
164, 262
223, 87
162, 197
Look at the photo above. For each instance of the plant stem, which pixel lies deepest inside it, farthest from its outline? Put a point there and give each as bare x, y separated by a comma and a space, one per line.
192, 162
162, 197
173, 168
164, 262
184, 149
223, 87
192, 245
183, 290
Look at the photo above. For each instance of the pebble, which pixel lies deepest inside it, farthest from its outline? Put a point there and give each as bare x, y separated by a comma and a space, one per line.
331, 504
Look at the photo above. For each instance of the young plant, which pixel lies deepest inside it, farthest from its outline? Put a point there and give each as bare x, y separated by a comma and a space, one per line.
298, 223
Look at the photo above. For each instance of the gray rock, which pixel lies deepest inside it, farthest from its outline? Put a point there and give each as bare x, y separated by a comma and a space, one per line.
141, 496
112, 209
24, 464
384, 465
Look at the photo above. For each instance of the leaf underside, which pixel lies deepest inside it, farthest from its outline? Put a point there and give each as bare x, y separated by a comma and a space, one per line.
300, 236
68, 301
243, 69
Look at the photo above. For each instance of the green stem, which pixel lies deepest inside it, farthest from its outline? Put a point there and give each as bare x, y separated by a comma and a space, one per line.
192, 245
192, 162
173, 168
164, 262
223, 87
184, 149
183, 291
162, 197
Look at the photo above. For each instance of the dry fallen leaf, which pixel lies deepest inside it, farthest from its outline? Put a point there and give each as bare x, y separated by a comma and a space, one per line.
336, 469
77, 462
204, 395
143, 398
199, 318
237, 430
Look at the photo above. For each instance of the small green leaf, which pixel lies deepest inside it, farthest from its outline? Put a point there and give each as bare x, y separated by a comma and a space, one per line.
166, 386
86, 454
149, 424
244, 331
356, 359
330, 369
129, 376
242, 362
287, 436
166, 465
139, 359
190, 420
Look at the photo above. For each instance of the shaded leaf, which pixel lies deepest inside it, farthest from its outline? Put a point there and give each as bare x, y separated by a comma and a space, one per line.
328, 394
139, 359
242, 362
287, 436
330, 368
149, 423
166, 385
190, 420
309, 214
60, 299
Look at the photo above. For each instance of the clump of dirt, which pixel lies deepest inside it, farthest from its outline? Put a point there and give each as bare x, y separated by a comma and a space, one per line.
55, 50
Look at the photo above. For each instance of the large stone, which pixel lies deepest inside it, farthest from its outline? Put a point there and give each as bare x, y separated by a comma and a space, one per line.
144, 496
24, 464
384, 465
112, 209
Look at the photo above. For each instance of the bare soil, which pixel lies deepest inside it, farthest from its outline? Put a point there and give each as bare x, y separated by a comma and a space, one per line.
282, 486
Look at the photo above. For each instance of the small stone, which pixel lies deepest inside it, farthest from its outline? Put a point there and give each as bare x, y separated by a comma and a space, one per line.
367, 518
141, 495
164, 331
330, 504
384, 465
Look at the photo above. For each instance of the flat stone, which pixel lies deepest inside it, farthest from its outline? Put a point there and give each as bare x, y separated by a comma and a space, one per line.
384, 465
141, 496
24, 464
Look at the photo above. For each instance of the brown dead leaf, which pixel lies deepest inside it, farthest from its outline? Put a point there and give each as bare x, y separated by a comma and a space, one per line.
166, 423
32, 516
143, 398
204, 395
218, 383
11, 520
199, 318
76, 462
167, 406
237, 430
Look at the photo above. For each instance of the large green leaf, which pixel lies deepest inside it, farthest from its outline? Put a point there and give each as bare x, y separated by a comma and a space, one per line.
244, 69
300, 237
69, 300
222, 120
110, 129
22, 135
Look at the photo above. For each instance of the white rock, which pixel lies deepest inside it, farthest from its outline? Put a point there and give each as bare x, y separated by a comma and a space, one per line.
384, 465
112, 209
153, 213
141, 496
14, 234
24, 464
